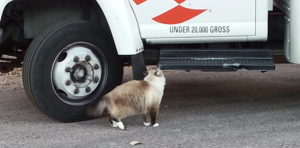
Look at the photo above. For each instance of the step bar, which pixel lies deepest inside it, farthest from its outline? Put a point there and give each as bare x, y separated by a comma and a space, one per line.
216, 60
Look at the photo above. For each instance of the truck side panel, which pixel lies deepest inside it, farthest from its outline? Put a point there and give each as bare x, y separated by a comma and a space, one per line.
200, 21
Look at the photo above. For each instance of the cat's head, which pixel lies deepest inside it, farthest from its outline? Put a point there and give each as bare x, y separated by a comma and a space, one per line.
153, 74
154, 71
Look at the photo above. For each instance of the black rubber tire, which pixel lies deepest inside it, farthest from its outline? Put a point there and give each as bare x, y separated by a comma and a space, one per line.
39, 60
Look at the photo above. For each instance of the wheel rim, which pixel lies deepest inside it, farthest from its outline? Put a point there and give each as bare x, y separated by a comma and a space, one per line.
76, 72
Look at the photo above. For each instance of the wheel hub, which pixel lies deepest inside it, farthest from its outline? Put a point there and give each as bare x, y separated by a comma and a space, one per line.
79, 73
76, 72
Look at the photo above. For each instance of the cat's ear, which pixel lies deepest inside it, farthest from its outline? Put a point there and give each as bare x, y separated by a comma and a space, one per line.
146, 72
158, 67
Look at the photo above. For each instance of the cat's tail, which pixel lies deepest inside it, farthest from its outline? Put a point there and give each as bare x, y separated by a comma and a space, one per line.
98, 110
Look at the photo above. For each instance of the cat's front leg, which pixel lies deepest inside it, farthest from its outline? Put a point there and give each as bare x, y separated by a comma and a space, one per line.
146, 118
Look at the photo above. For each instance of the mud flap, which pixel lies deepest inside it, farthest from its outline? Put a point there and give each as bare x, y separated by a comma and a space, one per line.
138, 66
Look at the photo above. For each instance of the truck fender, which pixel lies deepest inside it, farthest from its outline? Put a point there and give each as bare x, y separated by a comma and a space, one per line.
3, 4
123, 25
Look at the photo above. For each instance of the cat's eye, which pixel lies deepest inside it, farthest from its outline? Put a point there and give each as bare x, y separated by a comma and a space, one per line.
157, 73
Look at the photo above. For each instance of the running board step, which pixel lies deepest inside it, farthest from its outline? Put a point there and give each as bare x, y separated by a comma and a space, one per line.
216, 60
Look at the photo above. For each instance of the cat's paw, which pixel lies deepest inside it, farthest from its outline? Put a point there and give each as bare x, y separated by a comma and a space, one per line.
120, 125
147, 124
114, 124
155, 125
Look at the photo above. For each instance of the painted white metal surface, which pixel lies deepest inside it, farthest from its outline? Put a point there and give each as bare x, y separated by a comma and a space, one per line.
242, 20
261, 33
123, 25
61, 77
270, 5
220, 21
3, 4
292, 41
196, 40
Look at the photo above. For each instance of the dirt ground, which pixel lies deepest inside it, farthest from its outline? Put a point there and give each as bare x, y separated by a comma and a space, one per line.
11, 80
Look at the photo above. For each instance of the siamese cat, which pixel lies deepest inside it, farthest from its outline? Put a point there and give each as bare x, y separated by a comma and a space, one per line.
133, 98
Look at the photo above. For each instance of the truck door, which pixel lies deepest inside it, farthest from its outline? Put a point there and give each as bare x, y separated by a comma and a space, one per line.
195, 18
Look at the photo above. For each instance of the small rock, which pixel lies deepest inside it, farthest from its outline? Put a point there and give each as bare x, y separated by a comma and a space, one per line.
134, 143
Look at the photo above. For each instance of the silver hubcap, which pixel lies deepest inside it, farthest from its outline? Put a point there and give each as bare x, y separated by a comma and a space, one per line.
76, 72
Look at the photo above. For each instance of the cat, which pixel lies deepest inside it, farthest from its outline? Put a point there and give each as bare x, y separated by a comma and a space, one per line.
136, 97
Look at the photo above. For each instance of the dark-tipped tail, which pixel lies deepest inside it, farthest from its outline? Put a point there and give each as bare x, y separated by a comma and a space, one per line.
98, 110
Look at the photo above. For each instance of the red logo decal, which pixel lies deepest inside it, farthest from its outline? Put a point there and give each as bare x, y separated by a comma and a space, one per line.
176, 15
139, 1
179, 1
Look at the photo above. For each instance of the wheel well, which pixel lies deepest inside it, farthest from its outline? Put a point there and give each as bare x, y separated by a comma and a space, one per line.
23, 20
38, 15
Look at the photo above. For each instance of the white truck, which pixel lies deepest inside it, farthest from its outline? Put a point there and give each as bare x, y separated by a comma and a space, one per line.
73, 51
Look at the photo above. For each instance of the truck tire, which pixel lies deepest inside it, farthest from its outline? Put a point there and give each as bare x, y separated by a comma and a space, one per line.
68, 68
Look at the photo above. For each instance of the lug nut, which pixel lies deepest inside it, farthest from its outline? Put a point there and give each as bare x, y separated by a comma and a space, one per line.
96, 66
96, 80
88, 58
68, 69
76, 59
76, 91
88, 89
68, 82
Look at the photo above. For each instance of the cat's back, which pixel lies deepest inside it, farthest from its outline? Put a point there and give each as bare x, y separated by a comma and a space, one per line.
131, 93
133, 86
